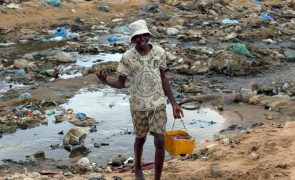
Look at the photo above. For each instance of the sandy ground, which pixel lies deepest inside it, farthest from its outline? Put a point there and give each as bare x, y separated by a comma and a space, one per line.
264, 152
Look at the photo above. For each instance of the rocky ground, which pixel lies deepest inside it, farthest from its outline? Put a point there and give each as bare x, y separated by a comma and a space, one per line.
203, 40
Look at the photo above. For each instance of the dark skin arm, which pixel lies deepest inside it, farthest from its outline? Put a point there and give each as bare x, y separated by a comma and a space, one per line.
119, 83
177, 111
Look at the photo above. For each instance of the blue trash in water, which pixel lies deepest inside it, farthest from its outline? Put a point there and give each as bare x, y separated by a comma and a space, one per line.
21, 72
81, 116
266, 17
114, 37
61, 32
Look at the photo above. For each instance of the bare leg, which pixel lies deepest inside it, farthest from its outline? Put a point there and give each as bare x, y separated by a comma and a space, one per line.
138, 148
159, 155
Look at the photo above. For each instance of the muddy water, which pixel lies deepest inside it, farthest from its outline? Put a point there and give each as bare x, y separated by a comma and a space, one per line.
111, 111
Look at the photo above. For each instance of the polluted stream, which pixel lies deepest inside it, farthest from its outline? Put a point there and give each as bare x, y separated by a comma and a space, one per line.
111, 111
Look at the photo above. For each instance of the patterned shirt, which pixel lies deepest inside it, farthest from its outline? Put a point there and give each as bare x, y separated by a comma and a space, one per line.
146, 91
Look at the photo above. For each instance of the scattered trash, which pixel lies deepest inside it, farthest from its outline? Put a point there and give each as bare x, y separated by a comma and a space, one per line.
268, 41
81, 116
266, 17
13, 6
258, 2
121, 29
61, 32
25, 96
21, 72
51, 112
229, 21
55, 3
241, 49
114, 38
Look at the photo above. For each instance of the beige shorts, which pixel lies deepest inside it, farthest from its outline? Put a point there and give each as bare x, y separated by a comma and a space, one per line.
149, 121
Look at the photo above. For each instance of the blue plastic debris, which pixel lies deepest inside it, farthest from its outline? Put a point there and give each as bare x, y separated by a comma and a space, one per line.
55, 3
258, 2
121, 29
21, 72
18, 107
229, 21
266, 17
81, 116
114, 38
25, 96
61, 32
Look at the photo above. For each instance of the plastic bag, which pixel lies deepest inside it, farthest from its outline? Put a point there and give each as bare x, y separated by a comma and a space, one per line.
266, 17
241, 49
61, 32
114, 37
55, 3
229, 21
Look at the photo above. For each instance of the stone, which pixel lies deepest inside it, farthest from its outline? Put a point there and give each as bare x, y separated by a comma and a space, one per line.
254, 156
256, 99
29, 57
74, 136
78, 151
63, 57
20, 63
289, 55
108, 66
216, 170
40, 155
108, 169
117, 160
172, 31
83, 162
231, 36
212, 12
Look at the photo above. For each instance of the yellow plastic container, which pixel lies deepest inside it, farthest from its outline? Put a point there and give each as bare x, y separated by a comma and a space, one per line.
178, 146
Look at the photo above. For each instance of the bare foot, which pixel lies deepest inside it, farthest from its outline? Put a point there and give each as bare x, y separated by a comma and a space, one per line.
139, 174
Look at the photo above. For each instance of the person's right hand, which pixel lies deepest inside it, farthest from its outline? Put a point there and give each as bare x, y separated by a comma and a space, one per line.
102, 76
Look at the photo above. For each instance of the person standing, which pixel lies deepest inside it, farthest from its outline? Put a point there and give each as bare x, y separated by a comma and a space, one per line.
145, 64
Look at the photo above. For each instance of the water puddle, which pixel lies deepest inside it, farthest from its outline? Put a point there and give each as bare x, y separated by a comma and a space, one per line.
110, 109
4, 86
87, 61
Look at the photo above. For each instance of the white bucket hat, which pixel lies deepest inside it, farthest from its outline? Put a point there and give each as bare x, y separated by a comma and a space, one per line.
138, 27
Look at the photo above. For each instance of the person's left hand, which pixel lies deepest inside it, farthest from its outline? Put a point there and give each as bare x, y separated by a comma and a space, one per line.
177, 112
